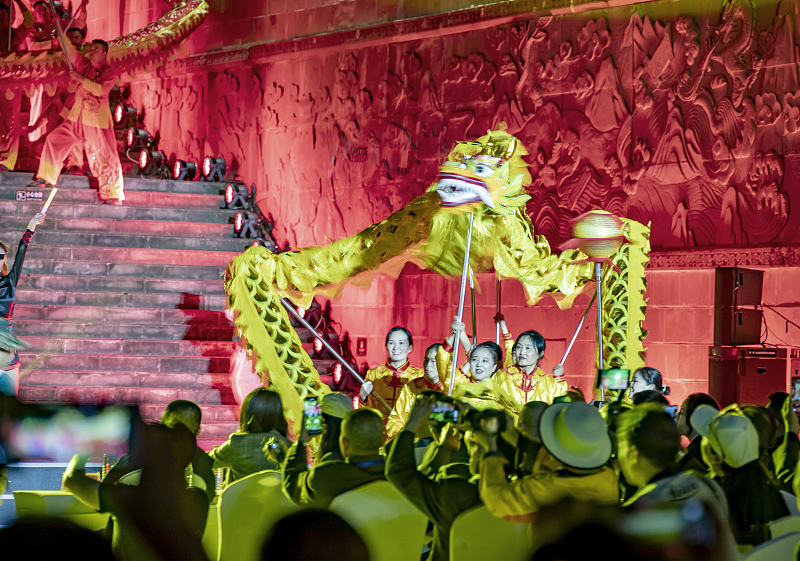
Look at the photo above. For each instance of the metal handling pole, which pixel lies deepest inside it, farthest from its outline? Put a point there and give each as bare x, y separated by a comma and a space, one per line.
10, 22
497, 323
457, 333
598, 273
75, 14
61, 35
331, 350
575, 335
472, 307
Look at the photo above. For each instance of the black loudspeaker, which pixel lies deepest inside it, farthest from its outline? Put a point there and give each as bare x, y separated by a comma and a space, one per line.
735, 287
746, 376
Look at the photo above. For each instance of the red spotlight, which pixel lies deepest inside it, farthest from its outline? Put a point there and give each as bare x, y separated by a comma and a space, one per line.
355, 402
238, 222
301, 311
144, 159
228, 191
337, 372
317, 346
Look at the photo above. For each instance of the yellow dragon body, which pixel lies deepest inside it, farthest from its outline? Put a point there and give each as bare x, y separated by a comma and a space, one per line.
486, 177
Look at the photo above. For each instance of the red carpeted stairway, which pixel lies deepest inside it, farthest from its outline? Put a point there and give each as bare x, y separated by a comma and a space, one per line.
126, 303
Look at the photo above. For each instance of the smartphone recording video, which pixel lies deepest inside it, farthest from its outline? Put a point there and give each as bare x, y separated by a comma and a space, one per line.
614, 378
313, 413
444, 412
60, 432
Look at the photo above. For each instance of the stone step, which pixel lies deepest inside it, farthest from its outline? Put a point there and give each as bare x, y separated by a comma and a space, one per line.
132, 198
45, 375
20, 180
53, 393
173, 300
113, 315
191, 290
25, 328
127, 240
125, 364
123, 261
124, 212
161, 347
17, 224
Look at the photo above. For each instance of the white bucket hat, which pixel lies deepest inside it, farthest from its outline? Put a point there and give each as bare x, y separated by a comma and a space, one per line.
575, 434
733, 436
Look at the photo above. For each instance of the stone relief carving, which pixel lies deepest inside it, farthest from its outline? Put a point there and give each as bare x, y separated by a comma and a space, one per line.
690, 124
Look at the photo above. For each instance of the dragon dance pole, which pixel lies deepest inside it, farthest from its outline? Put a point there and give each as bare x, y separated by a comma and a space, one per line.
575, 335
75, 14
330, 348
598, 273
61, 35
497, 323
472, 306
457, 333
10, 22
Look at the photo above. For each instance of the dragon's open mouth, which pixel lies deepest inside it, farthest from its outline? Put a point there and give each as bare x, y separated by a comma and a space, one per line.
457, 190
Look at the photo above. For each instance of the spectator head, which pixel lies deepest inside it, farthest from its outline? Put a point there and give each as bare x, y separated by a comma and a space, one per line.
186, 413
41, 11
5, 15
64, 540
334, 407
398, 344
4, 259
528, 349
688, 407
575, 434
76, 36
732, 437
763, 422
262, 411
529, 419
647, 378
431, 372
313, 534
362, 433
648, 442
649, 396
775, 407
97, 52
485, 359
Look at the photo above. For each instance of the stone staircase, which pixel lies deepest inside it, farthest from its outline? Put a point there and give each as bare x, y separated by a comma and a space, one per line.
125, 304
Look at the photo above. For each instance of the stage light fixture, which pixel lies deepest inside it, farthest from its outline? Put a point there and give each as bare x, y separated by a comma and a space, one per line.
124, 115
151, 162
245, 225
317, 346
337, 373
184, 171
236, 195
355, 402
214, 169
137, 139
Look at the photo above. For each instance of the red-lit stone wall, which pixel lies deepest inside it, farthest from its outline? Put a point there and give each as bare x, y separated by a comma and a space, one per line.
680, 114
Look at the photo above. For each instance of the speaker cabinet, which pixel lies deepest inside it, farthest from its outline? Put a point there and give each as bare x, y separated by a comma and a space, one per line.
733, 288
746, 375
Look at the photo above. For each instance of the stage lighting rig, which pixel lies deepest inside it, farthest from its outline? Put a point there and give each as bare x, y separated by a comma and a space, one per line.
214, 169
237, 196
137, 139
125, 115
184, 171
246, 225
152, 162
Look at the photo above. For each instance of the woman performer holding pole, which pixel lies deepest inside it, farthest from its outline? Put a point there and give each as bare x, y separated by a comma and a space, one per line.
9, 276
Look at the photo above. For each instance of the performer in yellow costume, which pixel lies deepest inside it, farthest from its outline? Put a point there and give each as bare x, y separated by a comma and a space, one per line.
524, 381
388, 380
436, 378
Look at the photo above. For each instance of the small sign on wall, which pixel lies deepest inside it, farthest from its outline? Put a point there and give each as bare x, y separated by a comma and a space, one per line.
361, 346
26, 196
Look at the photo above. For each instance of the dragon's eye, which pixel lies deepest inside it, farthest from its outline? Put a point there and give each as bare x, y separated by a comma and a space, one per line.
483, 170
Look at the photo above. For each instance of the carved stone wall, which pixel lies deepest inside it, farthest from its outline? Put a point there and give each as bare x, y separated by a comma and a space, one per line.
682, 116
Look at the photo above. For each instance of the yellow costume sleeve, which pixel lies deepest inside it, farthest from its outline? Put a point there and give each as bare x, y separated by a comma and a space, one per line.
402, 409
508, 346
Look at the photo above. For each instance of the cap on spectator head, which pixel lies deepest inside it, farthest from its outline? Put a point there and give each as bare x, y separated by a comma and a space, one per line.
575, 434
701, 417
336, 404
734, 438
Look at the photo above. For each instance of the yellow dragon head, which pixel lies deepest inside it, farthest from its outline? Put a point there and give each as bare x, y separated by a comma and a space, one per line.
487, 171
